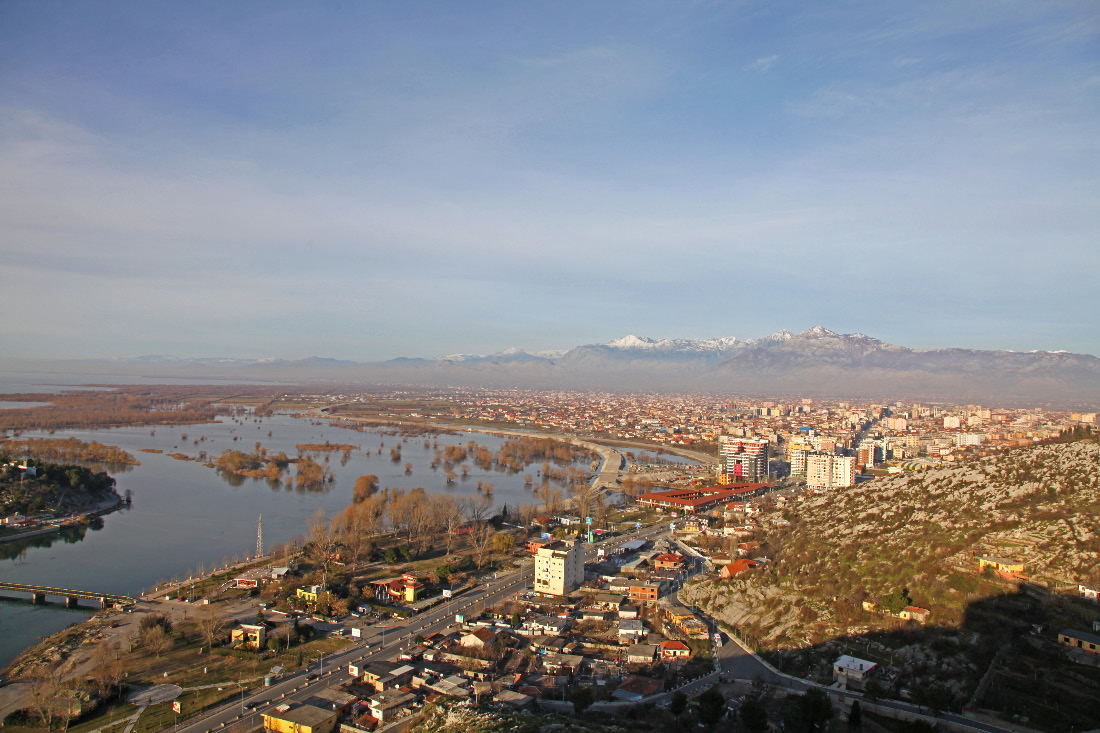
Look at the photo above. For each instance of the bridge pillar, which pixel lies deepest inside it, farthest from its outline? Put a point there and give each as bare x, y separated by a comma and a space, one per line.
38, 598
71, 602
104, 602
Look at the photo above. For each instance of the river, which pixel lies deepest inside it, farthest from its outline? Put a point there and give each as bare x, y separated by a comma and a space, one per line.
185, 516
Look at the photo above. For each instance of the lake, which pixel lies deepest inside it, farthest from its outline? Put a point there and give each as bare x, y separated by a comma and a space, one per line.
185, 515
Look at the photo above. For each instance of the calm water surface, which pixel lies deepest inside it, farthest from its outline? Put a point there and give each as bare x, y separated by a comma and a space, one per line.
184, 515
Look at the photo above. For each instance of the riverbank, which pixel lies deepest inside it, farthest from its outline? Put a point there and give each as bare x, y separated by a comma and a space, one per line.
106, 506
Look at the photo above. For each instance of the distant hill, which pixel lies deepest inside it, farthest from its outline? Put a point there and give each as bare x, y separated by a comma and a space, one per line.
815, 362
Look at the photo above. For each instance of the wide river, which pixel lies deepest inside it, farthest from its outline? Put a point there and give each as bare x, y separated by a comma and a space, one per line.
185, 516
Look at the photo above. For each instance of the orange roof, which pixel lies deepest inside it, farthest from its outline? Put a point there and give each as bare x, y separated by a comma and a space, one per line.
703, 495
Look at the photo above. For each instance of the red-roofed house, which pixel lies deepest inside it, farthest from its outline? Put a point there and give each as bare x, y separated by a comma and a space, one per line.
739, 566
674, 650
668, 561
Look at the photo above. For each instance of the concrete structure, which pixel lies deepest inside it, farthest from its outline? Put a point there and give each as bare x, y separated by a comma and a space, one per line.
252, 636
309, 593
300, 719
743, 459
1082, 640
1000, 565
826, 471
853, 671
559, 568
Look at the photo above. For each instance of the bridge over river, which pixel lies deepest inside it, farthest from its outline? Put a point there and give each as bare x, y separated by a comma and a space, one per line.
72, 597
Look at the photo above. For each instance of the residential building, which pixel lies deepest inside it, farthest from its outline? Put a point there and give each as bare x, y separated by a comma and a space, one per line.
1082, 640
743, 460
827, 471
853, 671
559, 568
251, 636
300, 719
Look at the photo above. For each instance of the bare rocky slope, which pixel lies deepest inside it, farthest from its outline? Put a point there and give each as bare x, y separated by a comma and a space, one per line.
916, 539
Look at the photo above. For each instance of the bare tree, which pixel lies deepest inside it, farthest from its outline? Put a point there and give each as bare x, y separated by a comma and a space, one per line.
450, 517
322, 537
107, 670
478, 510
421, 519
43, 684
210, 624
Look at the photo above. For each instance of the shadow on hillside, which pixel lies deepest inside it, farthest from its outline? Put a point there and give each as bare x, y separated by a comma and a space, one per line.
1004, 658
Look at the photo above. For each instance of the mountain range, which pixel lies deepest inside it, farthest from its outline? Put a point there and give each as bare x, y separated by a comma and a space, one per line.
816, 361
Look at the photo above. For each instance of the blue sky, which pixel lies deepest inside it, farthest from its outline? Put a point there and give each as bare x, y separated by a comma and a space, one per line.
369, 180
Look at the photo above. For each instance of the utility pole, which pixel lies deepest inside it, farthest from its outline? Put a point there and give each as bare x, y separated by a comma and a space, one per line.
260, 537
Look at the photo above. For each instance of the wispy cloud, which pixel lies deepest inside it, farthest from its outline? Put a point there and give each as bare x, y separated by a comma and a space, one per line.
764, 63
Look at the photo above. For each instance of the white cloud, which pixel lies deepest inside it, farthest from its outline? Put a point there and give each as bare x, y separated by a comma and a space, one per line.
764, 63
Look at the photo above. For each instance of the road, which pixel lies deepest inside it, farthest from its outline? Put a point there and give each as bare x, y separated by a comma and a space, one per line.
296, 687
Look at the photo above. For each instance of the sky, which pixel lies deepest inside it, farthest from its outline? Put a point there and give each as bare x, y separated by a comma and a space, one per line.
367, 180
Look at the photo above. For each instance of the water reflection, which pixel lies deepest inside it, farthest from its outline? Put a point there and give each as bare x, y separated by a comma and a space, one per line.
17, 550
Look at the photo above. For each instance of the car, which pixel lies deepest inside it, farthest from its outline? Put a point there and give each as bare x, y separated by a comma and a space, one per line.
311, 676
115, 625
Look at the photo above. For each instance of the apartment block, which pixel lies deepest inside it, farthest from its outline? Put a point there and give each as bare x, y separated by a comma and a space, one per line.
829, 471
559, 568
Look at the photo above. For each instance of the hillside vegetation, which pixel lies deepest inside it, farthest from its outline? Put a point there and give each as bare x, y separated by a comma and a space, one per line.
915, 539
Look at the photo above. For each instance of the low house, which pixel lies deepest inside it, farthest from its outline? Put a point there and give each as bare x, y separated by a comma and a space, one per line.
479, 638
675, 649
627, 610
1082, 640
1093, 594
300, 719
331, 697
256, 577
693, 628
533, 546
644, 592
383, 675
746, 549
915, 613
641, 653
1000, 565
631, 630
669, 561
549, 625
250, 636
309, 593
385, 706
635, 687
593, 614
556, 663
853, 671
516, 700
738, 566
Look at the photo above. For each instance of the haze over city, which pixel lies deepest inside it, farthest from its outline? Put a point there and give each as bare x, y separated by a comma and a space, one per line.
366, 181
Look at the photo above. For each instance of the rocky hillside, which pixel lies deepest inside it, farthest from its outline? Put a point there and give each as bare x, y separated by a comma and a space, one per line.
915, 539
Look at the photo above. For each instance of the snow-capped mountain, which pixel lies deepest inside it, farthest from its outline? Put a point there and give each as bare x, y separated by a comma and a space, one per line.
815, 361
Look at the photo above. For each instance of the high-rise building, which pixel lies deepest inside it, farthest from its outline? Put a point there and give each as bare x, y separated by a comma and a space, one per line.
559, 568
743, 460
828, 471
